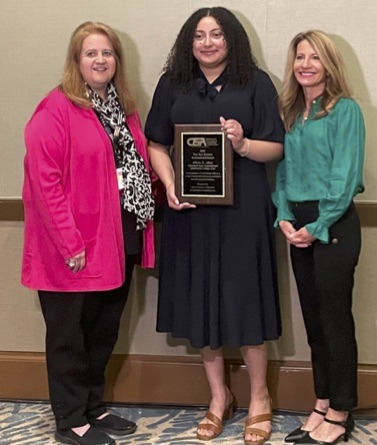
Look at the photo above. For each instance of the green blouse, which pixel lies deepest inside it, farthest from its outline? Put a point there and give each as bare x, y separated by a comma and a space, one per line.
323, 161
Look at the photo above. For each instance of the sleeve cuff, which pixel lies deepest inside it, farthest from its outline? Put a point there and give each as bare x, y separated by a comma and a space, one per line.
284, 212
284, 216
320, 231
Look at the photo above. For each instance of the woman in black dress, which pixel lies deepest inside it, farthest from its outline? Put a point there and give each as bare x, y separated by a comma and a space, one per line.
218, 274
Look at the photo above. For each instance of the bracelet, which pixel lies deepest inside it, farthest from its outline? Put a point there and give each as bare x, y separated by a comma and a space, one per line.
243, 155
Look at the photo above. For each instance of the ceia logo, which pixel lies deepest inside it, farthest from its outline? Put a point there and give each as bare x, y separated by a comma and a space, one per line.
201, 142
196, 142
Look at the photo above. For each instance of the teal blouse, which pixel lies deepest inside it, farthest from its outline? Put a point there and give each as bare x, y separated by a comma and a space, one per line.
323, 161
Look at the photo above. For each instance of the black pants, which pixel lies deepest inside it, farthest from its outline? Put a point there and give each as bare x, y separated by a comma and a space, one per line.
325, 277
81, 332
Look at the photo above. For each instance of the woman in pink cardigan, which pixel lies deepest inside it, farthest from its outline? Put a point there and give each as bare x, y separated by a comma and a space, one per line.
88, 215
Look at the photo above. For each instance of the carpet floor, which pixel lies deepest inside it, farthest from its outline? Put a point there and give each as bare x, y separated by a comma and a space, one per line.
33, 423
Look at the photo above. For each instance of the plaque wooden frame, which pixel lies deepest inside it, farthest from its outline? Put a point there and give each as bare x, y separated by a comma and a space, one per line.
203, 165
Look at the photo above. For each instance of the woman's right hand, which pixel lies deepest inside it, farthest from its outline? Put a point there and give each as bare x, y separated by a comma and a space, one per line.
173, 200
77, 262
287, 228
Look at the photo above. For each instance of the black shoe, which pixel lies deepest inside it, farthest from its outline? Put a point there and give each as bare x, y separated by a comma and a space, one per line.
91, 437
348, 425
299, 433
296, 435
112, 424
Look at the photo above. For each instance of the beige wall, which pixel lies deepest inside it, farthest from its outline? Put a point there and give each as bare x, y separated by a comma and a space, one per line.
34, 37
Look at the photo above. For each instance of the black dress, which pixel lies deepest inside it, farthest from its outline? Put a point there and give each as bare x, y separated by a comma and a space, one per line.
218, 280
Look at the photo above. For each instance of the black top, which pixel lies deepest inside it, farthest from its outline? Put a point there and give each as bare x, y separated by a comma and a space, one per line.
254, 106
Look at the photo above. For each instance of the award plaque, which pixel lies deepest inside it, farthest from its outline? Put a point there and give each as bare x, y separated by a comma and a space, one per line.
203, 164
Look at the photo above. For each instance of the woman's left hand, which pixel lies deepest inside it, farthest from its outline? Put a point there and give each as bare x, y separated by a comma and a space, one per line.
77, 262
234, 132
302, 236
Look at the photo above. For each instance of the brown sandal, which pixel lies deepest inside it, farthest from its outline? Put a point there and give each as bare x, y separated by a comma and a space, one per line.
249, 430
216, 427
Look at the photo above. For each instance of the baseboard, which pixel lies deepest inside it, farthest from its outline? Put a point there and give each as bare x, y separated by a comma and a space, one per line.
145, 379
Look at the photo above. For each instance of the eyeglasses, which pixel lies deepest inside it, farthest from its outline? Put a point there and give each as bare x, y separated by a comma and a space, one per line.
93, 53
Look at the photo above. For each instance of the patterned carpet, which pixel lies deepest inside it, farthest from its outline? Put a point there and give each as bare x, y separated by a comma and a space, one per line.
32, 423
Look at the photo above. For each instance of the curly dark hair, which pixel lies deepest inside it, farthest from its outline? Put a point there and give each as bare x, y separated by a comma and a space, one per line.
181, 64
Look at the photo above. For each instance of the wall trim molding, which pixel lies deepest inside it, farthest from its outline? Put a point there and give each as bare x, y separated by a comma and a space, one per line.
367, 212
171, 380
12, 210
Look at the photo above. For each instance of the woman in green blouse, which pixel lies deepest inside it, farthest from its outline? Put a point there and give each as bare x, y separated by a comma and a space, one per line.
316, 182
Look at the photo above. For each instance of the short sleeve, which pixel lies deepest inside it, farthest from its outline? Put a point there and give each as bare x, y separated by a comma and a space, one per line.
267, 125
158, 126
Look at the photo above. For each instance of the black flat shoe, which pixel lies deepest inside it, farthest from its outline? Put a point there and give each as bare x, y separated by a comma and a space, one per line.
348, 424
91, 437
299, 433
113, 424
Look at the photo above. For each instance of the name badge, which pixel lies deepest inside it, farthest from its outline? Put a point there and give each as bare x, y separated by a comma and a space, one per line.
120, 179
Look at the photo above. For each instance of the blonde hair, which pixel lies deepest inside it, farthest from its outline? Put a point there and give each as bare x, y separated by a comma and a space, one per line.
73, 85
291, 98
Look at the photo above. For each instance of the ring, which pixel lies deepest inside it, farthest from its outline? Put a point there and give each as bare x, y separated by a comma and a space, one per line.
71, 265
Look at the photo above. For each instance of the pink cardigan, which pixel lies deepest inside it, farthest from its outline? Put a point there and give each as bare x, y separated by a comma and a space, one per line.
71, 200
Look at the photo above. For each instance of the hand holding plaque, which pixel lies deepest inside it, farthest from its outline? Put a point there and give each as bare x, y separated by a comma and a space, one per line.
203, 164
